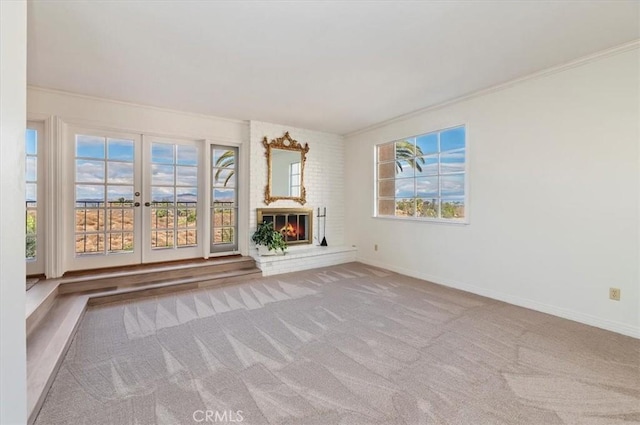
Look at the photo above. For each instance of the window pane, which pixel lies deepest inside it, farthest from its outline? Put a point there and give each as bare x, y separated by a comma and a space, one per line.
161, 153
404, 169
89, 171
86, 244
428, 165
386, 152
223, 158
427, 207
223, 177
121, 150
452, 185
386, 207
120, 172
427, 186
427, 144
120, 219
31, 169
187, 196
162, 239
90, 220
186, 176
187, 237
118, 196
92, 195
187, 155
406, 149
452, 162
90, 146
386, 188
162, 195
31, 142
452, 139
162, 174
405, 188
31, 194
453, 208
227, 196
162, 218
31, 239
405, 207
387, 170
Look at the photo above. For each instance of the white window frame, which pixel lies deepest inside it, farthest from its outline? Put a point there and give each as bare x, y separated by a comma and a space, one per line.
439, 219
293, 175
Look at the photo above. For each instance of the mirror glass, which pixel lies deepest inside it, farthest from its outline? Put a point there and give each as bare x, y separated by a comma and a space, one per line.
285, 173
285, 169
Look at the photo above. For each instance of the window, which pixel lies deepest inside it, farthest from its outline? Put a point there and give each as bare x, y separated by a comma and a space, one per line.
423, 176
294, 179
31, 179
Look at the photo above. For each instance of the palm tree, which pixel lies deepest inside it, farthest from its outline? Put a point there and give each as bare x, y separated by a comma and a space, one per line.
226, 160
409, 152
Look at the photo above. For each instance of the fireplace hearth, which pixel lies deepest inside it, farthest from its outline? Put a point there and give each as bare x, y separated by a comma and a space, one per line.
295, 224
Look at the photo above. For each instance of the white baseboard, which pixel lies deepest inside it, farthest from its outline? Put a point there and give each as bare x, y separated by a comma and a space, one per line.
587, 319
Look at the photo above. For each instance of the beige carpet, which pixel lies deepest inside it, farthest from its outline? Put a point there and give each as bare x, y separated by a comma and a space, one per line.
344, 345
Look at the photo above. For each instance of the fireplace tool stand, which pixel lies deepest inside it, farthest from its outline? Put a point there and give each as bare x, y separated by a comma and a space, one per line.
324, 232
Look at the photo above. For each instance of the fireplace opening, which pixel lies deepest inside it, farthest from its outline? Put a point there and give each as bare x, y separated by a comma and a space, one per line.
295, 224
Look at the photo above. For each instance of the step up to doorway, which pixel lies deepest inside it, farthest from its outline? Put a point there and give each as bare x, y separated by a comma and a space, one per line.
114, 280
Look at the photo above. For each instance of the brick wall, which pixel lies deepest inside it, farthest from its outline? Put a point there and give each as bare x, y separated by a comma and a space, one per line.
323, 178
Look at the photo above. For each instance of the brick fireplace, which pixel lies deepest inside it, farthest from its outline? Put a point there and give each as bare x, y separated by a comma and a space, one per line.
295, 224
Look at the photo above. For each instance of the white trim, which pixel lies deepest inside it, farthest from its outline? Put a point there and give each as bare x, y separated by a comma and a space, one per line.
101, 126
584, 60
138, 105
57, 197
587, 319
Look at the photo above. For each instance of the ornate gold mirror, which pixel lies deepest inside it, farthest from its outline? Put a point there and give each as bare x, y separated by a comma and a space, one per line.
285, 169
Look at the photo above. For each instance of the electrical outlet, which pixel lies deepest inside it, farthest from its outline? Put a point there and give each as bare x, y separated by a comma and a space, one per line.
614, 294
375, 247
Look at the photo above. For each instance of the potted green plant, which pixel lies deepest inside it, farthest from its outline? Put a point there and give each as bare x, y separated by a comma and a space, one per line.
268, 239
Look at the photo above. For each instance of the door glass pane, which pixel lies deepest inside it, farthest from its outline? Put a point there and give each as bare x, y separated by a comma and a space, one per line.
120, 150
104, 195
223, 199
174, 195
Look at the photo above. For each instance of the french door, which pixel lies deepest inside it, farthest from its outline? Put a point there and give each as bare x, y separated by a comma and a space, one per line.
134, 199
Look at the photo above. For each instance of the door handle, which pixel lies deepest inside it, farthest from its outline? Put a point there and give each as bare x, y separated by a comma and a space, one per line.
147, 204
136, 204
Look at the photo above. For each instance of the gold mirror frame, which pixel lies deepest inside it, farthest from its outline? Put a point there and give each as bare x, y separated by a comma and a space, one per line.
285, 143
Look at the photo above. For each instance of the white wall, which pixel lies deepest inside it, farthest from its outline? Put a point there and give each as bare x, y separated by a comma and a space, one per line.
13, 84
323, 177
554, 195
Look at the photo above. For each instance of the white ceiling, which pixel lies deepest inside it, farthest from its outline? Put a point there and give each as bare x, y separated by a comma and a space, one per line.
331, 66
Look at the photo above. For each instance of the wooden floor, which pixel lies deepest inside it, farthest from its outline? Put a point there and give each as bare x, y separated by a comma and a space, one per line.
55, 307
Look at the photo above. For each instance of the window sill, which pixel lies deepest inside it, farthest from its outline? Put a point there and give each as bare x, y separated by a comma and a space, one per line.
464, 222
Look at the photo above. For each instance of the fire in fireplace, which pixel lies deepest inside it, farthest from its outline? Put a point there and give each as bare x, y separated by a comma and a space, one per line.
295, 224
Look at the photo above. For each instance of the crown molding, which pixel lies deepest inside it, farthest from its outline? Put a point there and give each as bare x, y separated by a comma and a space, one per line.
635, 44
132, 104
